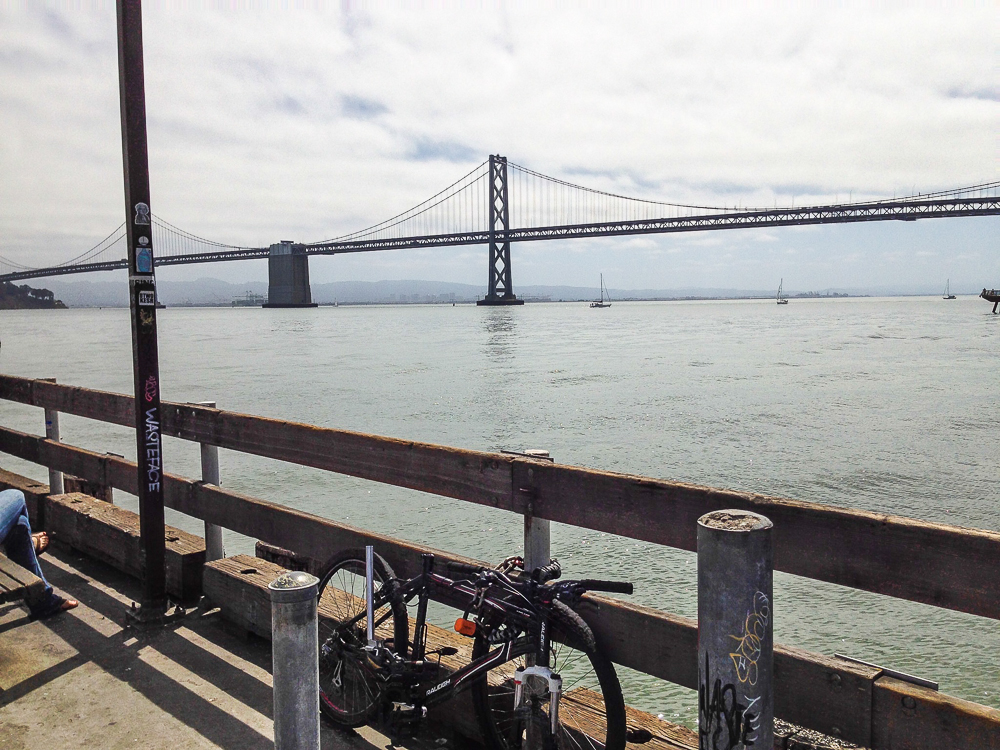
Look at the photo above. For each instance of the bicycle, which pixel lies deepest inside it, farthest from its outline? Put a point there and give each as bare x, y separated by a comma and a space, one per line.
535, 672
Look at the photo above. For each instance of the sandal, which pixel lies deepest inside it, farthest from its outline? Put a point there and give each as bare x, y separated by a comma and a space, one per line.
41, 542
56, 605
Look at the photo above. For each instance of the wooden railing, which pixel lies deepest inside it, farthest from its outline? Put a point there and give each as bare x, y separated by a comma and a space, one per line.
946, 566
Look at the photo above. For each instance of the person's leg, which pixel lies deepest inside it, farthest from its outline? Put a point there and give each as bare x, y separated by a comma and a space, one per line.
12, 507
15, 535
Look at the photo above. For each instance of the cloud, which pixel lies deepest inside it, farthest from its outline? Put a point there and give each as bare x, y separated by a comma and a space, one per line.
274, 122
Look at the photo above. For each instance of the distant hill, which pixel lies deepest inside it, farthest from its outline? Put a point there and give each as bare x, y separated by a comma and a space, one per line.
214, 292
24, 297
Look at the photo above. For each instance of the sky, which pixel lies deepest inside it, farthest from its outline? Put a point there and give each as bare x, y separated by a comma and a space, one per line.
307, 120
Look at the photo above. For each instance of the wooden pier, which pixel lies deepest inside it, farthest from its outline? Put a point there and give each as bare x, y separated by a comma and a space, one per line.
936, 564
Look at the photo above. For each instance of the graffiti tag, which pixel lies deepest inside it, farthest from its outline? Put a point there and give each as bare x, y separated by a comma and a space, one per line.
748, 651
153, 458
723, 722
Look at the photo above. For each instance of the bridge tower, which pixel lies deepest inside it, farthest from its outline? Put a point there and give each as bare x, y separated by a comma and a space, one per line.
288, 276
501, 292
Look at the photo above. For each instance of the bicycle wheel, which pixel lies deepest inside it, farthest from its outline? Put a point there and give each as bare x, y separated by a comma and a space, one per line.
591, 710
350, 687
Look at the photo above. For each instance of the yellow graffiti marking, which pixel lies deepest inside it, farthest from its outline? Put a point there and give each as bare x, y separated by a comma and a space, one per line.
754, 628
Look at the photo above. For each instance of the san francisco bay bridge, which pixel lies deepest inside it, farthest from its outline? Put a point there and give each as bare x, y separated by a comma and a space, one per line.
499, 203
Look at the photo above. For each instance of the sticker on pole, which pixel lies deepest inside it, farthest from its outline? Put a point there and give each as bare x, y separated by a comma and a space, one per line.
142, 214
147, 299
144, 260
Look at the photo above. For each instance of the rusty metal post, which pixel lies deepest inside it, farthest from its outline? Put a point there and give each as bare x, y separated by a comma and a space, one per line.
735, 631
214, 547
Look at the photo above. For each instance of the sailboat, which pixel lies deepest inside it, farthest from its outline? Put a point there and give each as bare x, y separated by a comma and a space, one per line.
600, 302
947, 290
781, 300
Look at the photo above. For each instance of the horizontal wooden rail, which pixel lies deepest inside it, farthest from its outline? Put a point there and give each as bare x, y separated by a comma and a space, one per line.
946, 566
821, 693
847, 700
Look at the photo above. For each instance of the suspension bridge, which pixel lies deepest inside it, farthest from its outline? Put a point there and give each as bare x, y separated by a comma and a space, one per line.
496, 204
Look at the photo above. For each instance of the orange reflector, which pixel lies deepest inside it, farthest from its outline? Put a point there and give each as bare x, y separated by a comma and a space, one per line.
465, 627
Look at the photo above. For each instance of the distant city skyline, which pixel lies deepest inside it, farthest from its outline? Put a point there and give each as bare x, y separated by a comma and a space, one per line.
268, 124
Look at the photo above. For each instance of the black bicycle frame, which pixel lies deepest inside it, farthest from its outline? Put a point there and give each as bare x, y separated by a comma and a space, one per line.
423, 585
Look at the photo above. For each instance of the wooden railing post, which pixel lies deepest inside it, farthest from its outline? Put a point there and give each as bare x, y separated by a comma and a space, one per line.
537, 542
52, 433
214, 547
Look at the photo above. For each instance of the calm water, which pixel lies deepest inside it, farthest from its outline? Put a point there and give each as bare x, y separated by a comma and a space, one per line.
881, 404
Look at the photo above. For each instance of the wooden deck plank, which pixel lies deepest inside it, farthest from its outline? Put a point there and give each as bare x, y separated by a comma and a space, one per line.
17, 583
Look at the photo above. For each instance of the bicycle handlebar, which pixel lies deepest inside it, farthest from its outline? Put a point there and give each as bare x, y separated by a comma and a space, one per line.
549, 572
612, 587
454, 566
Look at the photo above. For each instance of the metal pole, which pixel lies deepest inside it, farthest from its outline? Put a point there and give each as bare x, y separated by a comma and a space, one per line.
370, 594
537, 552
537, 539
295, 655
735, 631
52, 433
142, 302
214, 547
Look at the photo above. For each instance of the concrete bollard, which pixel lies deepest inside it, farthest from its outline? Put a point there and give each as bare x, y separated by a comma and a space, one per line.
214, 547
295, 658
735, 632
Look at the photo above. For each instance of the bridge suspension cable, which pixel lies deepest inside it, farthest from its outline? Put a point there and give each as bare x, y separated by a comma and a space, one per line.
458, 209
540, 207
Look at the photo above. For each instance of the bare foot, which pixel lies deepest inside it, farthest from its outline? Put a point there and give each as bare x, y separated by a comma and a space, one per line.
41, 540
69, 604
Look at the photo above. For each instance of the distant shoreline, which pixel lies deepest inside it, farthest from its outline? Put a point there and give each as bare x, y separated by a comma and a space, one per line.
24, 297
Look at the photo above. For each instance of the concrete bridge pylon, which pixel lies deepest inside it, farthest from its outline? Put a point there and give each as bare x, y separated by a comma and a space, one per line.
288, 276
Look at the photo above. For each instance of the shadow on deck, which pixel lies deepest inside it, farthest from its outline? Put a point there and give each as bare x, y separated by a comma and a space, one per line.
81, 680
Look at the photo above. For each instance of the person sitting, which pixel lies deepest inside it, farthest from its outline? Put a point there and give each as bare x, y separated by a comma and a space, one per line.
23, 548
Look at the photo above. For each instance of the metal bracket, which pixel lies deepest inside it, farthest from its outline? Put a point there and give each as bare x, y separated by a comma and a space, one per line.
930, 684
532, 454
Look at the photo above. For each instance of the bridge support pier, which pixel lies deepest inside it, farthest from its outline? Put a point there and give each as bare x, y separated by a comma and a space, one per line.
500, 291
288, 276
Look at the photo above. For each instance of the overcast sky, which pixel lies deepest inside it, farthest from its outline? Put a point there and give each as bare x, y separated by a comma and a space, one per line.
269, 123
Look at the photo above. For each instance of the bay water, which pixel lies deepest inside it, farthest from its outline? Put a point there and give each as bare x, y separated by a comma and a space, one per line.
881, 404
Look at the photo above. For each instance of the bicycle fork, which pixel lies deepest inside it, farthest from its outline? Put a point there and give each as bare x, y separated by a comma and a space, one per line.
537, 670
554, 682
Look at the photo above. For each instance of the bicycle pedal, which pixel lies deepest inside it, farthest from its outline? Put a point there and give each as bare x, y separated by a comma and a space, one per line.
638, 736
406, 712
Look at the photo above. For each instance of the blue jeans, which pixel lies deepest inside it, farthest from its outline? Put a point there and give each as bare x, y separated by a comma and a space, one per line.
15, 536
